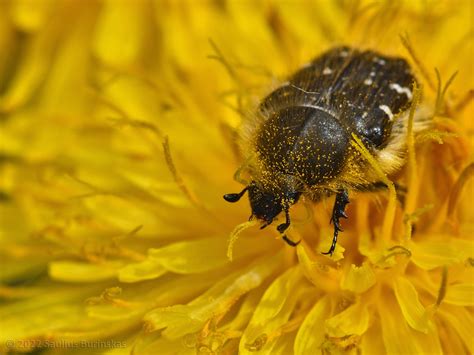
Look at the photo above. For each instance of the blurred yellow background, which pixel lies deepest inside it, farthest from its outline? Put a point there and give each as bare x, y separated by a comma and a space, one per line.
118, 122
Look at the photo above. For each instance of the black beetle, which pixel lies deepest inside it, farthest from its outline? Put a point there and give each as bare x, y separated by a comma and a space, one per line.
299, 142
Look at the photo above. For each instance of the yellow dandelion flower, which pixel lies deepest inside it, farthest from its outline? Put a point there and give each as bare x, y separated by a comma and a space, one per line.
118, 134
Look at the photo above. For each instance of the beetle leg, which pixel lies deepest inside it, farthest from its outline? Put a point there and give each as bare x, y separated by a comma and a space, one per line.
290, 242
266, 224
342, 199
284, 226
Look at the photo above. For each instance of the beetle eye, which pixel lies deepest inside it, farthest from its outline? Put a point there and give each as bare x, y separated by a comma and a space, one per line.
375, 135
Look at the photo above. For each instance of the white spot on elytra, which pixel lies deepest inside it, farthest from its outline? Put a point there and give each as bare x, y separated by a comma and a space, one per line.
387, 110
364, 115
401, 90
368, 81
327, 71
344, 53
379, 60
372, 73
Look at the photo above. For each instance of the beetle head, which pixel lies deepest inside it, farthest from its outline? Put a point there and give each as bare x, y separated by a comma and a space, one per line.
265, 205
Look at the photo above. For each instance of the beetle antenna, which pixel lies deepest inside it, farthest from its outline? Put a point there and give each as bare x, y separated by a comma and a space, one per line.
235, 197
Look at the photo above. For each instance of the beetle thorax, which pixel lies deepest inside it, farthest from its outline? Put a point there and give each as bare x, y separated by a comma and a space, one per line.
306, 143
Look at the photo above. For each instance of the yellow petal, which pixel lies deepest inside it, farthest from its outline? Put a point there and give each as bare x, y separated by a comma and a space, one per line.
246, 310
184, 319
311, 334
353, 320
372, 342
358, 279
319, 274
449, 338
20, 269
126, 349
92, 331
369, 249
460, 294
283, 345
412, 309
462, 321
75, 271
30, 15
271, 314
60, 307
395, 331
131, 302
178, 319
124, 214
32, 69
432, 254
145, 270
428, 343
162, 346
202, 255
398, 337
117, 41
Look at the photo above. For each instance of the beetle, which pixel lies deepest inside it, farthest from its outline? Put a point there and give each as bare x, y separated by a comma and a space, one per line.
298, 143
